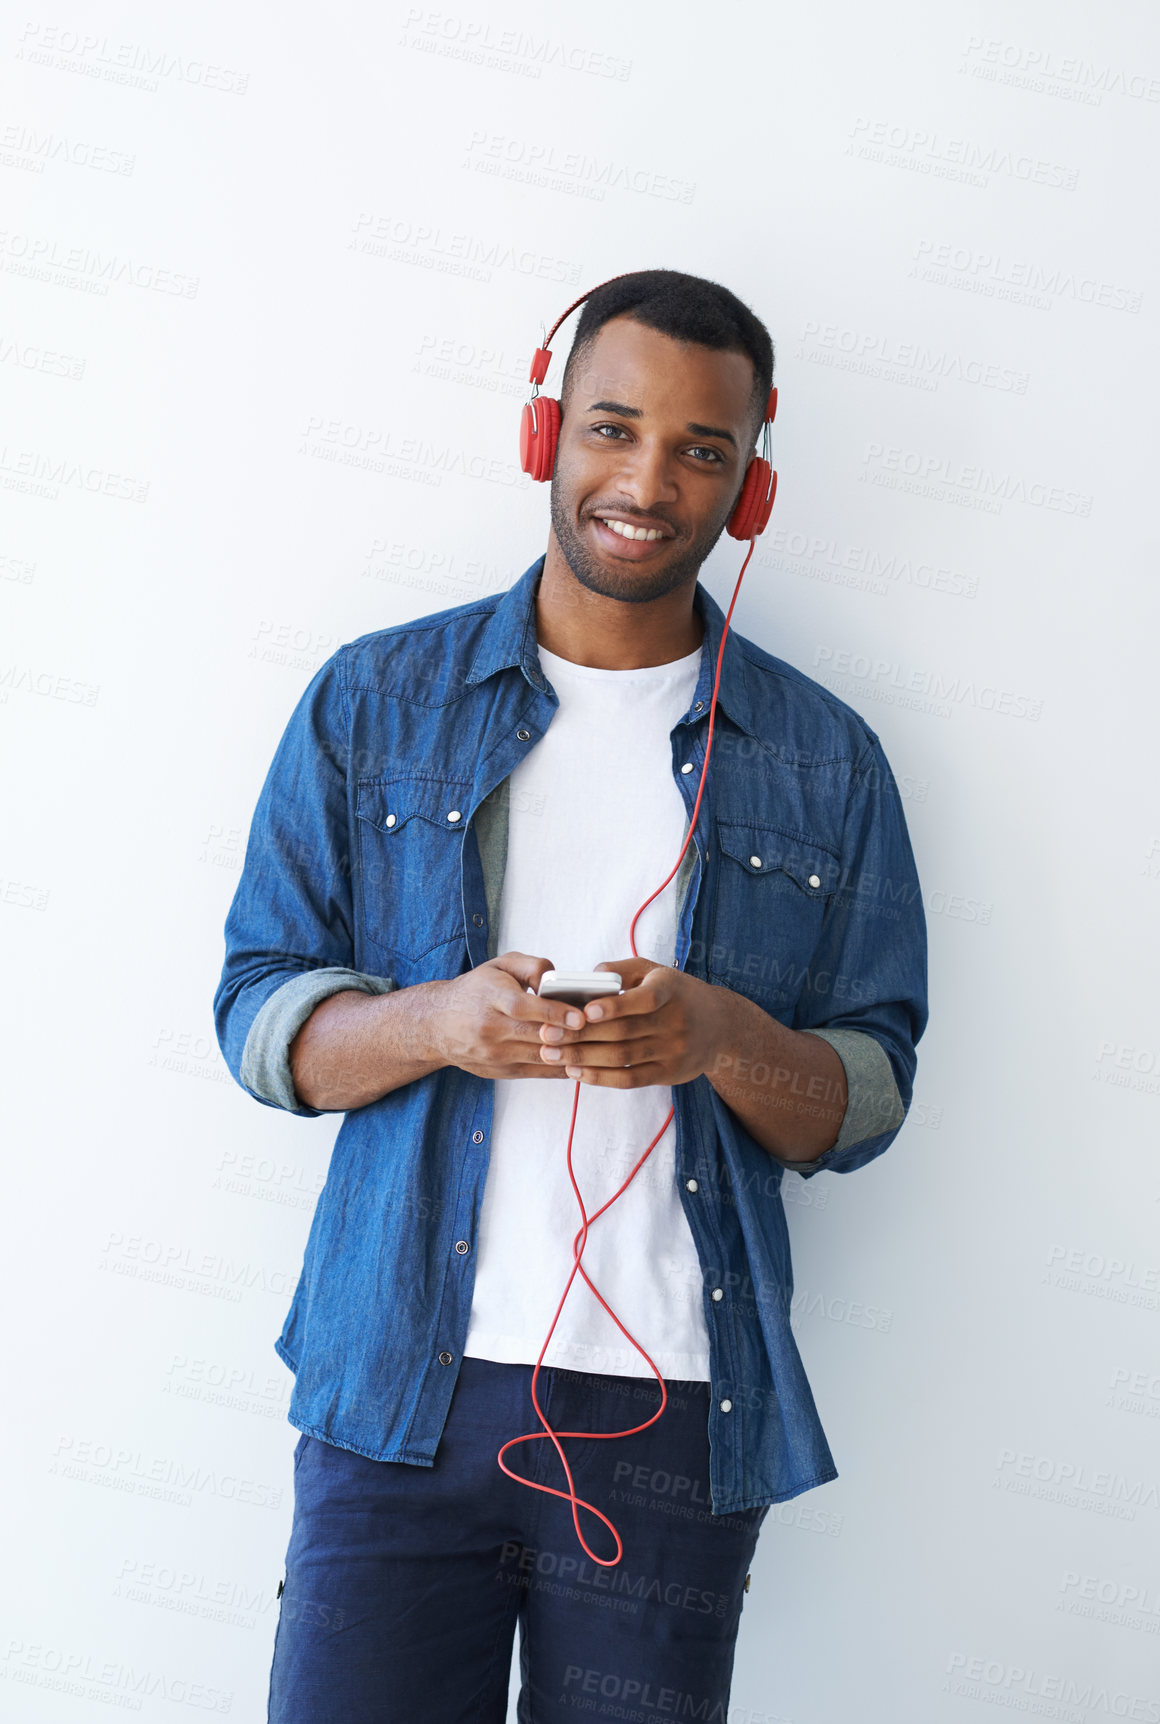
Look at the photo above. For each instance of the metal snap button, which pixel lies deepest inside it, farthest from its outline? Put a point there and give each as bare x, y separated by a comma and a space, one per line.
814, 880
477, 919
477, 1137
445, 1358
690, 1185
726, 1406
687, 767
699, 706
718, 1293
462, 1247
755, 861
390, 819
455, 815
523, 735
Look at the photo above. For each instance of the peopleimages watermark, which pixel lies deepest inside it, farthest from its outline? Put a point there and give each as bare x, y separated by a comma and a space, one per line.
820, 557
1133, 1390
105, 1681
1074, 1484
42, 475
910, 362
484, 43
163, 1477
540, 162
132, 63
26, 356
190, 1592
44, 258
1018, 280
27, 148
927, 690
1126, 1066
922, 150
51, 685
21, 894
947, 479
1047, 1694
1121, 1602
1121, 1280
377, 449
1043, 70
474, 256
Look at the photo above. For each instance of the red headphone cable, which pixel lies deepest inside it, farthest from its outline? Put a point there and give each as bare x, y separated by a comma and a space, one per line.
586, 1220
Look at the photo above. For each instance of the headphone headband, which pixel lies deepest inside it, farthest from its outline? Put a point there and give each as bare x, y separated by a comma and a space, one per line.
543, 354
540, 430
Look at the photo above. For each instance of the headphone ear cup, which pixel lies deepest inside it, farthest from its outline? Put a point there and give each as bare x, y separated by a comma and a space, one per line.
539, 434
752, 508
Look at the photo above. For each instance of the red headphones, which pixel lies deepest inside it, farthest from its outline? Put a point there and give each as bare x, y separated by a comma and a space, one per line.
540, 432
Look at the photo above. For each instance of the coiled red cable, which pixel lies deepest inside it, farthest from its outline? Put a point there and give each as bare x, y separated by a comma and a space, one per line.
586, 1220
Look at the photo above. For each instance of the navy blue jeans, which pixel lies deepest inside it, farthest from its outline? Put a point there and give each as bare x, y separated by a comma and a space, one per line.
405, 1584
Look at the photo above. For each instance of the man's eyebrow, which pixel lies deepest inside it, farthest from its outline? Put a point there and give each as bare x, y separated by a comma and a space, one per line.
637, 413
711, 431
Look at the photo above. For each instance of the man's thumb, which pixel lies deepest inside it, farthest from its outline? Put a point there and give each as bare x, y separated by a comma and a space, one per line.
526, 969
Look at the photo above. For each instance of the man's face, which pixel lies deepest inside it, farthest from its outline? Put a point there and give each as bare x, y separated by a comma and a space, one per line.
656, 434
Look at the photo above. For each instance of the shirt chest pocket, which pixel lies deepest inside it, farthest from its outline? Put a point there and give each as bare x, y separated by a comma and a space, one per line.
410, 846
772, 891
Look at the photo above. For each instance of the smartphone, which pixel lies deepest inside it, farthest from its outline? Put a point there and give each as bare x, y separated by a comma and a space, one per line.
577, 987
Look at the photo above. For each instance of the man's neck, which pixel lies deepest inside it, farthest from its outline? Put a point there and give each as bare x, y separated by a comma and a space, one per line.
608, 634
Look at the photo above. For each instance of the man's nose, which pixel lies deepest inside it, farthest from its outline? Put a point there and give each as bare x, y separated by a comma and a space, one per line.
647, 474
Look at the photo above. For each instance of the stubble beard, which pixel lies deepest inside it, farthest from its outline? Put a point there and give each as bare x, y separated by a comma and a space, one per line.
636, 584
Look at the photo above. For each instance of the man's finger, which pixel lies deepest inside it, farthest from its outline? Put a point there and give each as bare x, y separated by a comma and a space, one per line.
634, 1050
529, 1011
645, 996
630, 970
517, 976
524, 966
616, 1029
616, 1077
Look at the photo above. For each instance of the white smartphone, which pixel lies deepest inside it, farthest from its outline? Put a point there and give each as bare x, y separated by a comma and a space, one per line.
577, 987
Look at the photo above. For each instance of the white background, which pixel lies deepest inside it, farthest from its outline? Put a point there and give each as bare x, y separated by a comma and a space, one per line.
271, 285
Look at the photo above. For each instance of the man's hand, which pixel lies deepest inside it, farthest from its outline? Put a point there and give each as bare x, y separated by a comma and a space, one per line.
665, 1027
486, 1021
787, 1088
355, 1048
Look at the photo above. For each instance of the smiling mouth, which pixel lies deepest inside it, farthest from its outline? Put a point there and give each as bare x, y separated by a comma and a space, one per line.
630, 533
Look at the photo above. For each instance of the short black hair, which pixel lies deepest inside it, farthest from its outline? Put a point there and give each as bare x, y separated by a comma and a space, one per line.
688, 308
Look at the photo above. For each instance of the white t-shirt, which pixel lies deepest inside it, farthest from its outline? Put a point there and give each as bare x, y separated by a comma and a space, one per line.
595, 824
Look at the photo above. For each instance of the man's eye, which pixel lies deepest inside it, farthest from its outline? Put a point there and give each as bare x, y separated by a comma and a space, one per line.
618, 431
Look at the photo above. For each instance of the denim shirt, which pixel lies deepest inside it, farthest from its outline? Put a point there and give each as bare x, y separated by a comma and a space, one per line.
375, 861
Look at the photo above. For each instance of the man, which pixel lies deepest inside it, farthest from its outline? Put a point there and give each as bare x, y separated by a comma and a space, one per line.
458, 804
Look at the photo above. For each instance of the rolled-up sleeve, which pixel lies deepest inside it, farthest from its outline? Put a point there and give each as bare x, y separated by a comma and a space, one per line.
289, 931
866, 989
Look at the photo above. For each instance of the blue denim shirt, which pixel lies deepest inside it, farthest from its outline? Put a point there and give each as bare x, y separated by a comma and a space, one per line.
367, 867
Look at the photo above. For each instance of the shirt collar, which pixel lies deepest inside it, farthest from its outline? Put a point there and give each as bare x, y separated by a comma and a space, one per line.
509, 639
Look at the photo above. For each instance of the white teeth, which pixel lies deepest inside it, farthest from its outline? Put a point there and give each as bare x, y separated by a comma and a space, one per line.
627, 532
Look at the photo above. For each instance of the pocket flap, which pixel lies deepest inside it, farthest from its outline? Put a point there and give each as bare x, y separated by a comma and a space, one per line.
389, 803
766, 850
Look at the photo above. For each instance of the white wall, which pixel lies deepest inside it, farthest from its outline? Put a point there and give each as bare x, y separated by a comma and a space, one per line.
269, 308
